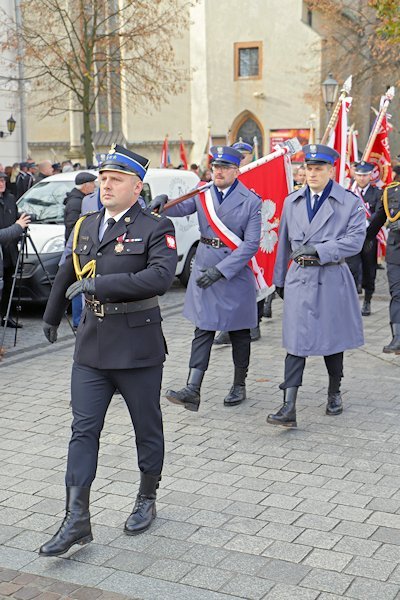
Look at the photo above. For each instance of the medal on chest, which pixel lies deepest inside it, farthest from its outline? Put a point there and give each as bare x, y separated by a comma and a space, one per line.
119, 246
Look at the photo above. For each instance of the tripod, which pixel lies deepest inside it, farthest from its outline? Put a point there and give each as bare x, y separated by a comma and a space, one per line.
18, 272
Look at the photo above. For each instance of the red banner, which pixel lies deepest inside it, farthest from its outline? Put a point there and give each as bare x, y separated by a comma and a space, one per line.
380, 156
272, 182
182, 154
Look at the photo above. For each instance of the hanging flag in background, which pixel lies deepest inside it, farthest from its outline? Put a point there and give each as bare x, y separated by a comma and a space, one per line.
182, 154
272, 181
352, 145
338, 141
165, 155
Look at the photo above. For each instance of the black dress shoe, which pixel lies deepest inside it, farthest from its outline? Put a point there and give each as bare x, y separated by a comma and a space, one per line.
11, 323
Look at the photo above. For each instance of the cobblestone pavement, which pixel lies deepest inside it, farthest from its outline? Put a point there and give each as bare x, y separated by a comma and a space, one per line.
245, 510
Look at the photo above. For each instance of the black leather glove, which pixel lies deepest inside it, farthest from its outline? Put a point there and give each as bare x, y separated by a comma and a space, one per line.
304, 250
158, 203
280, 291
211, 275
84, 286
50, 331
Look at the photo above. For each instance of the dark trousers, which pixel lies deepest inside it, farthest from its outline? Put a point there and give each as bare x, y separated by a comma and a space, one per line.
201, 348
91, 392
393, 275
260, 309
363, 268
8, 281
294, 368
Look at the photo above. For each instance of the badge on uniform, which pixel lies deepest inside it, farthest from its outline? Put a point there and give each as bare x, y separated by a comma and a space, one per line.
171, 242
119, 247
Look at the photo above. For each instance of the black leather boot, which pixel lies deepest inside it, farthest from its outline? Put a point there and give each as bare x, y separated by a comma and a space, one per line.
237, 392
366, 307
394, 345
334, 405
267, 312
75, 528
223, 338
189, 396
286, 415
144, 511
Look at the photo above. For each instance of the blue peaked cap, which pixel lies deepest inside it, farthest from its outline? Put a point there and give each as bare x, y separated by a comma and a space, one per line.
121, 159
225, 155
243, 147
320, 154
363, 168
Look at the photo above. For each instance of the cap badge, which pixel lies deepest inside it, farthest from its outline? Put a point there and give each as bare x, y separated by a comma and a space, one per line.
112, 149
220, 150
313, 148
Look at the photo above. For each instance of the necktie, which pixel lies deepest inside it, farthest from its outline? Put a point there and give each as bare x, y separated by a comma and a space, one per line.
221, 196
315, 201
110, 223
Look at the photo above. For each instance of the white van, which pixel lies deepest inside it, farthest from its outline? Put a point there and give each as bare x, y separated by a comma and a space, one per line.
45, 203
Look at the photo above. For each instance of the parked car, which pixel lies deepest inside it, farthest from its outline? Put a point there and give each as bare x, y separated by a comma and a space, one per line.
45, 242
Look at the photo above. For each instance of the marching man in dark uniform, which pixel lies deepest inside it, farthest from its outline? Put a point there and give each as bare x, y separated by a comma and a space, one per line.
221, 293
389, 209
321, 224
124, 257
366, 260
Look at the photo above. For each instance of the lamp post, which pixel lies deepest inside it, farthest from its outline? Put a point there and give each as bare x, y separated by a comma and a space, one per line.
330, 88
11, 123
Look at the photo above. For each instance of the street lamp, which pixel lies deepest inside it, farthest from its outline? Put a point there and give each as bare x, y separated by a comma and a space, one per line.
11, 123
330, 88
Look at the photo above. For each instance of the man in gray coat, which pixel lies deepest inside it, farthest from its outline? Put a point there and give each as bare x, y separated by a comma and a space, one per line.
321, 225
221, 293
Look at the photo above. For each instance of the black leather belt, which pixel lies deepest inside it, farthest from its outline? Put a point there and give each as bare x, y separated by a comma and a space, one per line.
214, 242
312, 261
120, 308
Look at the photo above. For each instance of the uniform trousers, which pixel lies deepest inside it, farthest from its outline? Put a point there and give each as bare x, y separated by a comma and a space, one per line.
202, 343
393, 275
91, 393
294, 368
365, 262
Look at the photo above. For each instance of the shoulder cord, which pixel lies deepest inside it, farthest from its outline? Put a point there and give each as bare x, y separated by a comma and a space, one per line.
89, 270
386, 203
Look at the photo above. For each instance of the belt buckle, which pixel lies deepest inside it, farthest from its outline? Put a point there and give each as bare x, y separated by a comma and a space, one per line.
216, 242
301, 261
98, 308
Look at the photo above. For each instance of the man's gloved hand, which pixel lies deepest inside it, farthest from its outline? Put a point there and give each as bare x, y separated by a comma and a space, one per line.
84, 286
158, 203
50, 331
211, 275
280, 291
304, 250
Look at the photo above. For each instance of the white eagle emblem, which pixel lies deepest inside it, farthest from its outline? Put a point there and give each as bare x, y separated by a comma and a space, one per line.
269, 237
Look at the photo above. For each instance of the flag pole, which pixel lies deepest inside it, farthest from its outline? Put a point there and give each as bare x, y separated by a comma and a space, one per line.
290, 147
350, 141
387, 98
345, 91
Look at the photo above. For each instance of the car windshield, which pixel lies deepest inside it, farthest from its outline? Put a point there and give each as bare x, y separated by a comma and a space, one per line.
45, 201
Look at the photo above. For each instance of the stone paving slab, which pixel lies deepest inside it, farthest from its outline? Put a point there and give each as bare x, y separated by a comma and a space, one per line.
244, 510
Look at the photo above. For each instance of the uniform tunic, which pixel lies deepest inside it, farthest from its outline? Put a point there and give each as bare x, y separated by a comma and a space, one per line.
230, 303
321, 309
143, 268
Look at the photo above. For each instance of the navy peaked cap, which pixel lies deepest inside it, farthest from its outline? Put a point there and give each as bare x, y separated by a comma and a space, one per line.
121, 159
243, 147
363, 168
225, 155
320, 154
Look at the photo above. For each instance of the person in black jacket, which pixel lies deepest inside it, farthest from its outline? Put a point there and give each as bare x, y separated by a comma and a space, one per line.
388, 209
84, 185
127, 256
8, 216
366, 260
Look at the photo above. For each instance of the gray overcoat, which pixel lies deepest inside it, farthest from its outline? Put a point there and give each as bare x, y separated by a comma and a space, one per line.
321, 314
230, 303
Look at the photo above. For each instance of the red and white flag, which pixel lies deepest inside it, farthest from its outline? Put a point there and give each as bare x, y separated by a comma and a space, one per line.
338, 141
272, 181
182, 154
165, 156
